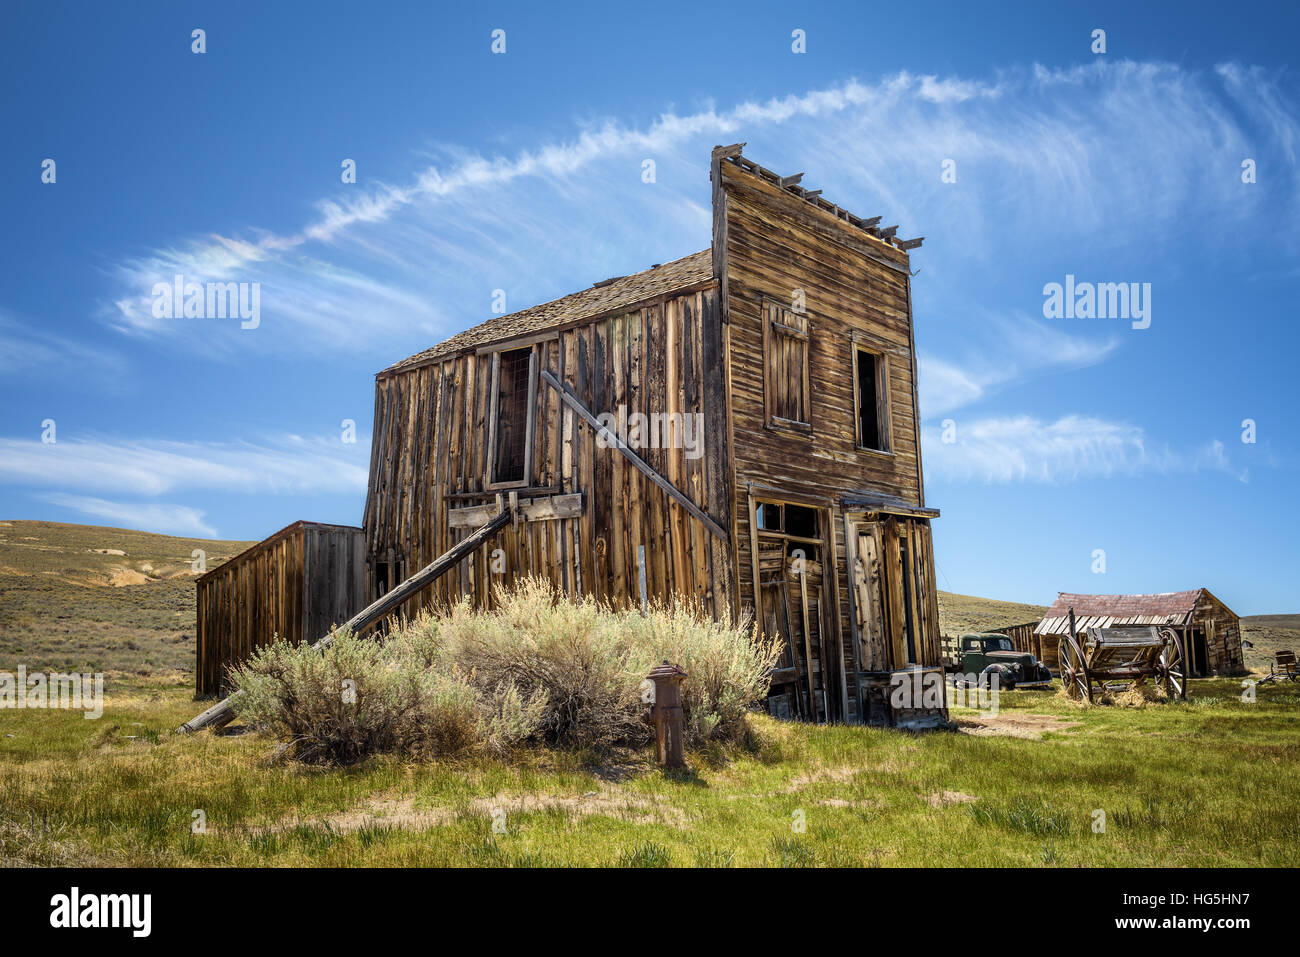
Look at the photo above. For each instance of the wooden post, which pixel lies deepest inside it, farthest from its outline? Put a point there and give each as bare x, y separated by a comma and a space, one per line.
667, 713
640, 575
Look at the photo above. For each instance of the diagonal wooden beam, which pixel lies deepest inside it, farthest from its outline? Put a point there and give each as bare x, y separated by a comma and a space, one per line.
223, 712
669, 489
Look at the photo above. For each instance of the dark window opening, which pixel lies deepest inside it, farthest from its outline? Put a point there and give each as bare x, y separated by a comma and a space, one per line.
869, 418
800, 521
388, 575
769, 517
510, 456
1199, 655
809, 553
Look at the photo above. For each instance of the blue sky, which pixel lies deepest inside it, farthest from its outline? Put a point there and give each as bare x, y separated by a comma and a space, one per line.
522, 171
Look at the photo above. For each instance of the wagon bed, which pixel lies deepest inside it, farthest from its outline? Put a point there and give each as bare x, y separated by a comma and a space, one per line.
1128, 655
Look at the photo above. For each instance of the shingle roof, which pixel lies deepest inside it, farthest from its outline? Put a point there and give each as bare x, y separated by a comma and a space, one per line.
1105, 611
598, 300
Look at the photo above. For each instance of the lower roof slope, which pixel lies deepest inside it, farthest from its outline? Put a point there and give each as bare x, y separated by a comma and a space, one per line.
1106, 611
601, 299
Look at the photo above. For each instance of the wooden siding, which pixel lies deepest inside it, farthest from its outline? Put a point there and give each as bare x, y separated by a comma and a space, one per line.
778, 251
294, 585
430, 456
1222, 634
671, 340
1023, 639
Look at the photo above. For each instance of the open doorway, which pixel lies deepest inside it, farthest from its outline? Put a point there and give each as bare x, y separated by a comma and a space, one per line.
791, 599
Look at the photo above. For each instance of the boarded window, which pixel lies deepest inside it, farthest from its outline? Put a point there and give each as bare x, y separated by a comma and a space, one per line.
871, 400
785, 363
511, 420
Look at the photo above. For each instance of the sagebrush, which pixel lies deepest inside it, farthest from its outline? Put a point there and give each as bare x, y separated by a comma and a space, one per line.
537, 669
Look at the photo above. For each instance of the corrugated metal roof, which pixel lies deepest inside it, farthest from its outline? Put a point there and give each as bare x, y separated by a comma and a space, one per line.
1108, 611
599, 300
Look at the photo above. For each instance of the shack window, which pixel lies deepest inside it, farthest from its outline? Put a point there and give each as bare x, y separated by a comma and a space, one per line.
801, 521
388, 575
769, 516
871, 399
514, 385
785, 364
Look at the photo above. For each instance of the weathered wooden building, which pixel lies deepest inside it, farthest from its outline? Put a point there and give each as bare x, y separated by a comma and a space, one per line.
1210, 631
294, 585
738, 426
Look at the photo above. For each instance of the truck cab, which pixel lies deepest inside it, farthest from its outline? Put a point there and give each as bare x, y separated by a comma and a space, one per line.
986, 653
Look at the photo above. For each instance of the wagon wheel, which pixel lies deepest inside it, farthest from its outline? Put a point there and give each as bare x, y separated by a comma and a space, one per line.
1169, 666
1074, 673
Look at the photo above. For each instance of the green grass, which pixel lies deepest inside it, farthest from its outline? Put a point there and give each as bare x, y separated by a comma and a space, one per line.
1180, 784
1211, 782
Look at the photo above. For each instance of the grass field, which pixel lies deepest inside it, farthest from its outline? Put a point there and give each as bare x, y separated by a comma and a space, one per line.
1210, 782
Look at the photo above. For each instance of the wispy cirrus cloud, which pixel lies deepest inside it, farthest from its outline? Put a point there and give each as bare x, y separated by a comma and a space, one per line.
27, 349
1024, 448
1028, 348
1066, 151
284, 465
144, 516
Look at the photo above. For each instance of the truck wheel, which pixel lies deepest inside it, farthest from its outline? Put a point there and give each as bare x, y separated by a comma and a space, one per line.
1005, 680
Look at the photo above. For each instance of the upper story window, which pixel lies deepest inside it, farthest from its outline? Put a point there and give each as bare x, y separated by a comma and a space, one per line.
510, 424
871, 399
785, 366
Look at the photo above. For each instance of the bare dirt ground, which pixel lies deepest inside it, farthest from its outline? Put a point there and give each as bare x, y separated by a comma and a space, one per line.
404, 813
1014, 724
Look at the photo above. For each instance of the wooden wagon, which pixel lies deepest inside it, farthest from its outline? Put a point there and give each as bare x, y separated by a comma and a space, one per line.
1127, 656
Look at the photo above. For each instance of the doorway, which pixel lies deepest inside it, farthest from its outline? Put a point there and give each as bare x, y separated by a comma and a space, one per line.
791, 602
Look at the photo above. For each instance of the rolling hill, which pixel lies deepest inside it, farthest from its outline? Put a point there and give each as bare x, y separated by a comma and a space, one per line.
91, 598
88, 598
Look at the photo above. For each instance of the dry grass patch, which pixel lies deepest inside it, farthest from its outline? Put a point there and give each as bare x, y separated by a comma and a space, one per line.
1014, 724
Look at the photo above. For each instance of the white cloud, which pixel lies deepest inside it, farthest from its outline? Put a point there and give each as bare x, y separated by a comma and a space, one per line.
27, 349
1074, 153
144, 516
292, 464
1022, 347
1026, 449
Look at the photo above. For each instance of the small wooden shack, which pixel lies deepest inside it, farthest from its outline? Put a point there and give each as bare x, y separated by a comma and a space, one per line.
294, 585
1209, 629
738, 427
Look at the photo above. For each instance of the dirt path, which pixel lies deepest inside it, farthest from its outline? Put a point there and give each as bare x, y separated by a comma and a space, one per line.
1014, 724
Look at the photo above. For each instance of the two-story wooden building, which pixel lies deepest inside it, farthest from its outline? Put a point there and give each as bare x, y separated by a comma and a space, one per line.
738, 426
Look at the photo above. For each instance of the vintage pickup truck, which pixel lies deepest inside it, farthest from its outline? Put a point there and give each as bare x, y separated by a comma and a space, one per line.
989, 653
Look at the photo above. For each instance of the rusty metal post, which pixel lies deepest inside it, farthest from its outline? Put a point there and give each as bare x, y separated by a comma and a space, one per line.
667, 714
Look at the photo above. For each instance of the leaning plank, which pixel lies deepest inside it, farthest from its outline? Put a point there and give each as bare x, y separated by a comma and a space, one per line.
573, 402
222, 713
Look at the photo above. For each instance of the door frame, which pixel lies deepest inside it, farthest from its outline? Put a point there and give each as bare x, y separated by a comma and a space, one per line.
892, 598
831, 635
